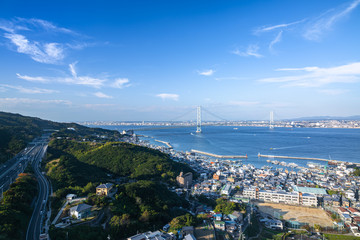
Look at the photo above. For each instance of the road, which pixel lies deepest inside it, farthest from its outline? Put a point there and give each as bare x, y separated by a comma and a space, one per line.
10, 170
35, 227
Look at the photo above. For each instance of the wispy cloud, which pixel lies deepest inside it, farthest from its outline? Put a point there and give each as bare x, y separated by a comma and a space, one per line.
49, 26
77, 79
20, 101
326, 21
29, 90
276, 40
252, 51
102, 95
121, 83
32, 79
170, 96
27, 36
316, 76
206, 72
333, 92
44, 53
276, 27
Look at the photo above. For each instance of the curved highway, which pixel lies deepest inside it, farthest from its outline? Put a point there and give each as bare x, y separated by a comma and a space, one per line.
35, 227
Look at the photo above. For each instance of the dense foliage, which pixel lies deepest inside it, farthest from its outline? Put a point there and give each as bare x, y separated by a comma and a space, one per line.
181, 221
17, 130
122, 159
140, 206
68, 171
15, 210
226, 207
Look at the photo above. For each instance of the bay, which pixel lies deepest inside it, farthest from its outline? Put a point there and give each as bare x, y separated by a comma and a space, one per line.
326, 143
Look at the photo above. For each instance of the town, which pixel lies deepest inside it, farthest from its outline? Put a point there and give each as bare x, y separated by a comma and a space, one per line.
282, 198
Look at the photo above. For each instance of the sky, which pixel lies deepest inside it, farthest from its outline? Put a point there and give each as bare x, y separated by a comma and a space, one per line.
157, 60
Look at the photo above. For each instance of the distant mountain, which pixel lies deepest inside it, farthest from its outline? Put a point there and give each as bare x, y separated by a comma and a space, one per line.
16, 131
318, 118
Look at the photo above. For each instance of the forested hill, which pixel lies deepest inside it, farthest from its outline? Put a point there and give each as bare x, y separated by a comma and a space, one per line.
122, 159
17, 130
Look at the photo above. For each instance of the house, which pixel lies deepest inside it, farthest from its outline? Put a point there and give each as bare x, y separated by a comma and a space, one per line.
236, 216
157, 235
187, 230
218, 217
104, 189
81, 211
220, 225
274, 224
190, 237
70, 197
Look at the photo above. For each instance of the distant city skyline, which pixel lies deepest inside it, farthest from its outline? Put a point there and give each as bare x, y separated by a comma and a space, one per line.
158, 60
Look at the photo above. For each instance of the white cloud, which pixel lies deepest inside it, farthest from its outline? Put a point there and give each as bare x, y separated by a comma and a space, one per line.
244, 103
102, 95
170, 96
252, 50
45, 24
81, 80
29, 90
121, 83
19, 30
20, 101
99, 106
276, 40
274, 27
316, 76
206, 72
44, 53
32, 79
326, 21
77, 79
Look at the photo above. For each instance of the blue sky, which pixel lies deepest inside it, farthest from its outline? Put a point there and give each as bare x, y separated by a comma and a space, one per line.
157, 60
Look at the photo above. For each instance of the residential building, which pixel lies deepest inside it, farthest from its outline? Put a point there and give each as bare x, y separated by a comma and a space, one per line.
104, 189
81, 211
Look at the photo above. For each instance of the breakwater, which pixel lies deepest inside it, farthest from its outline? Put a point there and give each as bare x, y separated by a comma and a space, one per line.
218, 156
166, 143
306, 158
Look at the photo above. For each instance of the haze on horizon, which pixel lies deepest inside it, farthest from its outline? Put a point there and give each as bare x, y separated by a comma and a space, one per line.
156, 60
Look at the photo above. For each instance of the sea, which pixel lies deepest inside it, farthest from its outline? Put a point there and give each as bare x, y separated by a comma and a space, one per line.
324, 143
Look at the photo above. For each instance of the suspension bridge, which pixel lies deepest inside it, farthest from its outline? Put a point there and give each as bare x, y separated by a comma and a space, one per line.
178, 123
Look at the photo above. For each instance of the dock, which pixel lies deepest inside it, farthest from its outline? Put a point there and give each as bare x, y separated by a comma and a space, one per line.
218, 156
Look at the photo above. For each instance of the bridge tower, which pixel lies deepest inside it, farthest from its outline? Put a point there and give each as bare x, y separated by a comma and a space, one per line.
198, 120
271, 123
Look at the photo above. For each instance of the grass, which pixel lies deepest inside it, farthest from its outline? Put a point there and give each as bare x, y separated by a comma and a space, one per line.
342, 237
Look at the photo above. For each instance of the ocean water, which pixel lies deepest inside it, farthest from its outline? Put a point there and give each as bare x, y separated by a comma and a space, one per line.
335, 144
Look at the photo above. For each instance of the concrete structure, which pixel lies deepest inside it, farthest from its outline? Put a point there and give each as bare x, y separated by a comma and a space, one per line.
291, 198
104, 189
185, 180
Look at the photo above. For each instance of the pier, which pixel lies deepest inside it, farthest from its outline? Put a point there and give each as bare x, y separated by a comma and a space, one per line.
166, 143
218, 156
306, 158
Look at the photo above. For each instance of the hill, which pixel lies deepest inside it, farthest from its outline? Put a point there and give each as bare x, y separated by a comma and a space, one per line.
121, 159
16, 131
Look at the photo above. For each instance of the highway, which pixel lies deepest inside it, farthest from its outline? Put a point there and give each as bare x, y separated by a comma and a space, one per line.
35, 227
